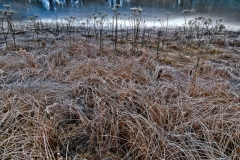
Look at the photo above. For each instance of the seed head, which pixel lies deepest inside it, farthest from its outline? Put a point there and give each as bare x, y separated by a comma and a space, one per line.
140, 10
10, 12
185, 11
117, 5
7, 6
134, 9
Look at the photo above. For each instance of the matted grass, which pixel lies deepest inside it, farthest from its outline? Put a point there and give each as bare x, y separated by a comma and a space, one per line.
82, 103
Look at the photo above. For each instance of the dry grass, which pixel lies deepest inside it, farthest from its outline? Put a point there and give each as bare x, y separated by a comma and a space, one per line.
80, 103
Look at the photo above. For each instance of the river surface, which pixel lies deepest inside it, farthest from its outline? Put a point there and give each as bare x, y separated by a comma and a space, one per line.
230, 9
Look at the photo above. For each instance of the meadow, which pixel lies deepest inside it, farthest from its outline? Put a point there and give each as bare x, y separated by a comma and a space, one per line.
111, 87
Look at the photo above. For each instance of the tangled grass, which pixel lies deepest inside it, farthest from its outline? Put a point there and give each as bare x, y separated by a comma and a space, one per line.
82, 103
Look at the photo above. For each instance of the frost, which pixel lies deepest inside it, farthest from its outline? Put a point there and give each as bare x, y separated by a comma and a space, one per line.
55, 3
46, 4
113, 2
77, 2
59, 2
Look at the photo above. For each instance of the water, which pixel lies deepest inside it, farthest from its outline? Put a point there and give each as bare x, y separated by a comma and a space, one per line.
230, 9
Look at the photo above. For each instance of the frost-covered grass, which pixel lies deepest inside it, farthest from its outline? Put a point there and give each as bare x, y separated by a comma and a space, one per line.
80, 102
158, 93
